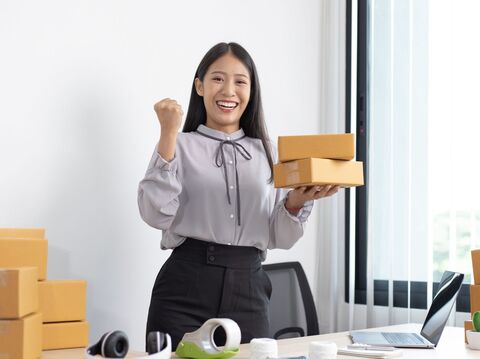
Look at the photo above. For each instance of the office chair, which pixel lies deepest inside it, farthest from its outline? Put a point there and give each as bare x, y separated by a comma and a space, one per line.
292, 309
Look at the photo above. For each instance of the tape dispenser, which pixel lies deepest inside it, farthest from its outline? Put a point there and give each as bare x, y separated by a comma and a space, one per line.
201, 345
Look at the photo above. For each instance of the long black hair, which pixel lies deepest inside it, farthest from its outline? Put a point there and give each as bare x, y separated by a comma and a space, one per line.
252, 121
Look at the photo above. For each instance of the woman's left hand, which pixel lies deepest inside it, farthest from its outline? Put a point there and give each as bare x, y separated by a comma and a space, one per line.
298, 196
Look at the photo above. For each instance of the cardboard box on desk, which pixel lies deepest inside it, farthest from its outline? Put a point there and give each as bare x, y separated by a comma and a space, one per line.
65, 335
474, 298
63, 300
312, 171
333, 146
31, 252
38, 233
476, 266
21, 338
18, 292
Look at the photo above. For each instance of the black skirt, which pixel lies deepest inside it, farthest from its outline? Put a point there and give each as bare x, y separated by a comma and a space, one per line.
202, 280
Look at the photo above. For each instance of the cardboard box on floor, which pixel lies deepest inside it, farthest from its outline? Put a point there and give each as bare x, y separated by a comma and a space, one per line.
63, 300
21, 338
331, 146
24, 252
65, 335
312, 171
18, 292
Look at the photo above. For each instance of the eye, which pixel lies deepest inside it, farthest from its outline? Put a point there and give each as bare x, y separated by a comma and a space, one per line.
242, 82
217, 78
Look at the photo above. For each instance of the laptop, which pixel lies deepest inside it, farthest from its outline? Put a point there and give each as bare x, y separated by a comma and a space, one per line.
435, 321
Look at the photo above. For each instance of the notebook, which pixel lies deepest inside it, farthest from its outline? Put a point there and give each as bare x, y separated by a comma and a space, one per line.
435, 321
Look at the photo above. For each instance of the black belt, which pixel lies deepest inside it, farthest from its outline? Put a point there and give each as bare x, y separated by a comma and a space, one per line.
223, 255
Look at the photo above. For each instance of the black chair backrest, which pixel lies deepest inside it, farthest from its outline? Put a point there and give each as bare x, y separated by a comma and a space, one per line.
292, 309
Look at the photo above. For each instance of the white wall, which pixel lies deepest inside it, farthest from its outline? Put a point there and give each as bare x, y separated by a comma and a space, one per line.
77, 84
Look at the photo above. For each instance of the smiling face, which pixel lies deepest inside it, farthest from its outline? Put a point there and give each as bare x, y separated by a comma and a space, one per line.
226, 91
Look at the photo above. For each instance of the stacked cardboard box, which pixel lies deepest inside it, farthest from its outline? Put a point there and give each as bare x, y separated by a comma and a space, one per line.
36, 313
63, 305
317, 160
20, 321
474, 289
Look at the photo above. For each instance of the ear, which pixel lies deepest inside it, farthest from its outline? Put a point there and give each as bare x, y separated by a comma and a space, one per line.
199, 86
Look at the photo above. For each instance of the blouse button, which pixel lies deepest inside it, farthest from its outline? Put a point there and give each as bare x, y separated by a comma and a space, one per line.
230, 162
231, 187
231, 215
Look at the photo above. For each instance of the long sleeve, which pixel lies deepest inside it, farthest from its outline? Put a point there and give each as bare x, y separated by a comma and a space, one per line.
233, 203
285, 228
158, 192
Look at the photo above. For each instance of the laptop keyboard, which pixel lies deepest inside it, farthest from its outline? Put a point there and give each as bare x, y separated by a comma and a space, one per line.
403, 338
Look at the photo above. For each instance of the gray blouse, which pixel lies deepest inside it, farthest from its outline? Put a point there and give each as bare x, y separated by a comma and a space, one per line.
217, 189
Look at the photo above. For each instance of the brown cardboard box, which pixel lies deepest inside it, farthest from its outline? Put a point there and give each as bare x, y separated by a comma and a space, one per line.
476, 266
63, 300
318, 171
21, 338
467, 325
474, 298
18, 292
334, 146
65, 335
16, 253
22, 233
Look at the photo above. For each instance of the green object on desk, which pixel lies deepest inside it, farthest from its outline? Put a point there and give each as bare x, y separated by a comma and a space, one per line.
199, 344
476, 321
190, 350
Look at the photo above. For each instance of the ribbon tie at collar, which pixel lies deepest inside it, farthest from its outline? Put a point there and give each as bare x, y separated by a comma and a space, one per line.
220, 162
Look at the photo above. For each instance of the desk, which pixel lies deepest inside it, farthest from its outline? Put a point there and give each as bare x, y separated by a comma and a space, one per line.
78, 354
451, 346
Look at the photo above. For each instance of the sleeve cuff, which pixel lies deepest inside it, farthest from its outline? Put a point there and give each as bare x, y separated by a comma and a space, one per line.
305, 211
302, 214
164, 165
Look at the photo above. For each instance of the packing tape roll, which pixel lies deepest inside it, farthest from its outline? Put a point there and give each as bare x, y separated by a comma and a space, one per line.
200, 343
263, 348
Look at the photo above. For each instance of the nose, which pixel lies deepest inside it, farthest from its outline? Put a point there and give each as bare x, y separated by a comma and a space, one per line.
229, 88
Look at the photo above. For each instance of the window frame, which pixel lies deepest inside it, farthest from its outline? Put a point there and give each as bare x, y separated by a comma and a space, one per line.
418, 290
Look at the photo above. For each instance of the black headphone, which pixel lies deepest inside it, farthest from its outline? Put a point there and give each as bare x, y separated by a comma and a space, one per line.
114, 344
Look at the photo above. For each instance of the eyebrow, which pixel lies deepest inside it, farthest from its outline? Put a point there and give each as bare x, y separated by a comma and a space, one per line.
224, 73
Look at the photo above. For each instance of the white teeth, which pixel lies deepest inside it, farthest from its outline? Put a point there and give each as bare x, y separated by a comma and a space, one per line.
227, 104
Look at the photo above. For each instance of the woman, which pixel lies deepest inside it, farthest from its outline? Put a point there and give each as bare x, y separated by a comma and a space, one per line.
209, 188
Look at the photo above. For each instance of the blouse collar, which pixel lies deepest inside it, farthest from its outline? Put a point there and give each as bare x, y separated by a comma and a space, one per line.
219, 135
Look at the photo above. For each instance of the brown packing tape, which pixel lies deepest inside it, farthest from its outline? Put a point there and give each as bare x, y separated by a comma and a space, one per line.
63, 300
16, 253
18, 292
65, 335
38, 233
476, 266
22, 338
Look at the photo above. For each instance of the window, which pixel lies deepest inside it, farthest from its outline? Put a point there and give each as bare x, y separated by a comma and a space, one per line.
416, 123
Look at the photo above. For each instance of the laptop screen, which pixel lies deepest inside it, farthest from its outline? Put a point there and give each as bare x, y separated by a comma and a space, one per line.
442, 304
